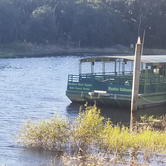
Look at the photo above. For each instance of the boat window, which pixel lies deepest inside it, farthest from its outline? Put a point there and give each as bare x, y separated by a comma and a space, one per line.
86, 67
110, 67
161, 70
128, 66
98, 67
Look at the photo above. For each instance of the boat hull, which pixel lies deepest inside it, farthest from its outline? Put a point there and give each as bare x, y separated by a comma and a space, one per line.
121, 100
152, 99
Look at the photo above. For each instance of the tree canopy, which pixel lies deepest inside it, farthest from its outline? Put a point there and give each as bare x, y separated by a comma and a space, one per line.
84, 23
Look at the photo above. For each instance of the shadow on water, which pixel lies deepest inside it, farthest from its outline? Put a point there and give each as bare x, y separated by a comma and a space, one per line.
73, 108
121, 115
42, 157
157, 111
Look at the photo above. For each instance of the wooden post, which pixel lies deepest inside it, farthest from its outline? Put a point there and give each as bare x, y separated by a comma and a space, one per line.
136, 73
135, 85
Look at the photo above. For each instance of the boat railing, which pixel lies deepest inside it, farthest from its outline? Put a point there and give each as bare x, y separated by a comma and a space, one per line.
73, 78
113, 77
149, 83
152, 83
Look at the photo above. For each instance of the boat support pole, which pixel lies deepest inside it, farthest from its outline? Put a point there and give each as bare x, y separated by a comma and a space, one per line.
80, 68
92, 67
103, 68
115, 67
136, 73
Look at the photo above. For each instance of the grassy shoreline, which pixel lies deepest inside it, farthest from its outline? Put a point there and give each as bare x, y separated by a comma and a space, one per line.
92, 140
21, 50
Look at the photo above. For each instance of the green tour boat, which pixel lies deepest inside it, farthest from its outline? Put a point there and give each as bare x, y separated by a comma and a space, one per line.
109, 81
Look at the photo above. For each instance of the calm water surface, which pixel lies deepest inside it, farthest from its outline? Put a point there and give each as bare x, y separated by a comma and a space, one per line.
34, 88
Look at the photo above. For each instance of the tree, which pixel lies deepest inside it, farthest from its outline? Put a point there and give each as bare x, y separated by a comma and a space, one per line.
40, 27
93, 23
7, 25
150, 14
98, 26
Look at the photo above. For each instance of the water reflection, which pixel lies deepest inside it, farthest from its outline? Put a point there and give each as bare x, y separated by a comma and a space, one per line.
122, 115
156, 111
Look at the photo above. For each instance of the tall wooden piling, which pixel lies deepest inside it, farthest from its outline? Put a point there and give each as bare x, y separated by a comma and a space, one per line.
135, 85
136, 74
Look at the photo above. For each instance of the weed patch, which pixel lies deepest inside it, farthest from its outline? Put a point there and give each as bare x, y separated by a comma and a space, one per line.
92, 140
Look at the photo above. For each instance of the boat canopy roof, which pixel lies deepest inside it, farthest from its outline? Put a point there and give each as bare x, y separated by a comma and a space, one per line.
147, 59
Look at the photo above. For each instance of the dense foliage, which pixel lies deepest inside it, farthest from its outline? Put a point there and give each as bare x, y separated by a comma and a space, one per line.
92, 23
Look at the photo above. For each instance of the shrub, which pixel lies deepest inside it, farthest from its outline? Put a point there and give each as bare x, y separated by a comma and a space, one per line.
90, 135
87, 127
48, 133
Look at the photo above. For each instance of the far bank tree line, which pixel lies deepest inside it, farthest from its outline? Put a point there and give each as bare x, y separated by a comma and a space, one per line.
84, 23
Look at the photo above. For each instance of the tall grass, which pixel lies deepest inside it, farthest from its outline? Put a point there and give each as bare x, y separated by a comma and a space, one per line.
89, 136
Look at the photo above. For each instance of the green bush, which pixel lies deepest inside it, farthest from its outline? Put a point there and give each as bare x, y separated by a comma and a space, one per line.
87, 127
48, 133
90, 130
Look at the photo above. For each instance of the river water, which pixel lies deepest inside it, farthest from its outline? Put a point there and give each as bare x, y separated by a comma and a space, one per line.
34, 88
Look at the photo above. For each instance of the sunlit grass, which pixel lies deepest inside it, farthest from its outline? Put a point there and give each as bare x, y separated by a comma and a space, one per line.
89, 135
